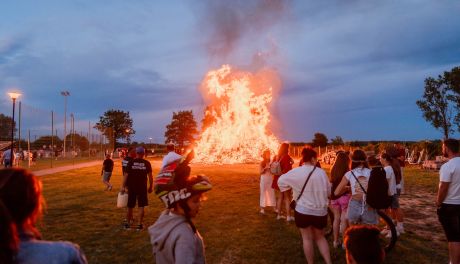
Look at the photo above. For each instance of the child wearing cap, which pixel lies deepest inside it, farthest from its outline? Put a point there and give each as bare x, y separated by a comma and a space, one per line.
174, 236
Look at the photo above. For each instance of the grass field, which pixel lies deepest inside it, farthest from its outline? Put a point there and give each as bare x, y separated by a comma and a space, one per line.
80, 210
47, 163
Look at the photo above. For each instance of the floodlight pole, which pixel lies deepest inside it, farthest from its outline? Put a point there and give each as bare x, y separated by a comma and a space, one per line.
13, 97
65, 94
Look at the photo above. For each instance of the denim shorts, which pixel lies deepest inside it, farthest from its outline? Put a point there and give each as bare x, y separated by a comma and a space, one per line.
106, 175
357, 213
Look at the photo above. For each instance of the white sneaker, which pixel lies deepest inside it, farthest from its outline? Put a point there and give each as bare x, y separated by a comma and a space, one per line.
262, 211
290, 218
278, 217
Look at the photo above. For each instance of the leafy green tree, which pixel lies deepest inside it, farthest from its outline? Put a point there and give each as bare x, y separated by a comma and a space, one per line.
46, 141
5, 127
337, 141
182, 129
320, 140
78, 142
452, 80
436, 105
116, 124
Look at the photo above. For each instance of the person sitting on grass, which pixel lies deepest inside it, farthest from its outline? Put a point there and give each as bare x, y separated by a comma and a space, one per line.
311, 189
173, 236
21, 204
362, 245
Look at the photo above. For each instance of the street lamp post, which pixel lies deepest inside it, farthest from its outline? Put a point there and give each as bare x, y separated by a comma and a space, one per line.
13, 97
65, 94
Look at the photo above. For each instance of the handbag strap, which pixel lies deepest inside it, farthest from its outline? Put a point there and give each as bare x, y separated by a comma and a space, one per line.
359, 183
305, 184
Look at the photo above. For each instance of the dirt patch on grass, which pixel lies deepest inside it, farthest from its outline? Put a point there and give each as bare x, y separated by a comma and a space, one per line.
420, 215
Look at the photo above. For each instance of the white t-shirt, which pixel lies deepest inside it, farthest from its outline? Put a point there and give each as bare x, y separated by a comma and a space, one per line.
362, 174
170, 157
391, 178
450, 172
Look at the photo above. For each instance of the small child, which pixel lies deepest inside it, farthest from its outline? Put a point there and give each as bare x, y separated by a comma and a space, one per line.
267, 193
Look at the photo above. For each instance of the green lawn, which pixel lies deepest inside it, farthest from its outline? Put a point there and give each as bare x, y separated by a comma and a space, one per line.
81, 211
46, 163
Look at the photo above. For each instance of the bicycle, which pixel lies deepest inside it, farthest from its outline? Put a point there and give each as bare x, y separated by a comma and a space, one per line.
387, 241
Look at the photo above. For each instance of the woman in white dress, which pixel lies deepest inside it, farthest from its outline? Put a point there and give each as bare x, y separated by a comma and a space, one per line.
267, 194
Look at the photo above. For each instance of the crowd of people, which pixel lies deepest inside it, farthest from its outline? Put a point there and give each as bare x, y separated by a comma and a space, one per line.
303, 194
309, 193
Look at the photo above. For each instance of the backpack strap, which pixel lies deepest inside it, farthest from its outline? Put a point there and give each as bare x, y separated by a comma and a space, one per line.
358, 182
305, 184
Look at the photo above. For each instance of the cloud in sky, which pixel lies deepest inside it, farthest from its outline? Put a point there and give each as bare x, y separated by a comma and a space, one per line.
352, 69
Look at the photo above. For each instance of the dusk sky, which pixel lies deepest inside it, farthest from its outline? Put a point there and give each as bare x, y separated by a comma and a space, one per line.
348, 68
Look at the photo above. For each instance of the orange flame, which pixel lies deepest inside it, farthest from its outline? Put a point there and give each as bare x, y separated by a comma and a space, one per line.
235, 127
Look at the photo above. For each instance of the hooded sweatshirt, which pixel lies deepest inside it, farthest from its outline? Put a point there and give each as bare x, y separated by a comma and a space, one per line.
173, 240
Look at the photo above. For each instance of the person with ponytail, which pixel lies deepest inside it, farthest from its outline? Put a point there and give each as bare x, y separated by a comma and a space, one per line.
173, 236
358, 178
21, 204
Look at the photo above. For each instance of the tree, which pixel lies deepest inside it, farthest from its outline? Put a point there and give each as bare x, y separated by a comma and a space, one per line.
45, 141
116, 124
452, 81
320, 140
79, 142
337, 141
182, 129
436, 105
5, 127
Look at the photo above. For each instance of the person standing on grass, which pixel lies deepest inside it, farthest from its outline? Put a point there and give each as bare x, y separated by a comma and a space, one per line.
128, 157
173, 236
171, 156
267, 194
283, 198
358, 177
311, 189
362, 245
339, 204
21, 205
448, 198
106, 173
137, 170
6, 158
390, 166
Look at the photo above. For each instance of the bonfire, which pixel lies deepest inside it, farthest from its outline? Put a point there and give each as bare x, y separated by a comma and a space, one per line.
236, 122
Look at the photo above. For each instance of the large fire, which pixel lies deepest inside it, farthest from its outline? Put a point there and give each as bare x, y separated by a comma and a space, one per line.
235, 126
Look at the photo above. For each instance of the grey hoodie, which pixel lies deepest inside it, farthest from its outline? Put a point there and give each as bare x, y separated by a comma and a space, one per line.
173, 240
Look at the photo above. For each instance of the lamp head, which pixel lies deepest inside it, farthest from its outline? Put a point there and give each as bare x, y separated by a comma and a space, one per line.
14, 95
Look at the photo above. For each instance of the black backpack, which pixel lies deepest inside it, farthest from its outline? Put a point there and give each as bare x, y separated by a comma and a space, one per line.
377, 189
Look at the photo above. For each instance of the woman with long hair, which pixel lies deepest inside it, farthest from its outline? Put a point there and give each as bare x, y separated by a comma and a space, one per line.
392, 165
283, 198
339, 203
358, 177
21, 204
267, 194
311, 189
